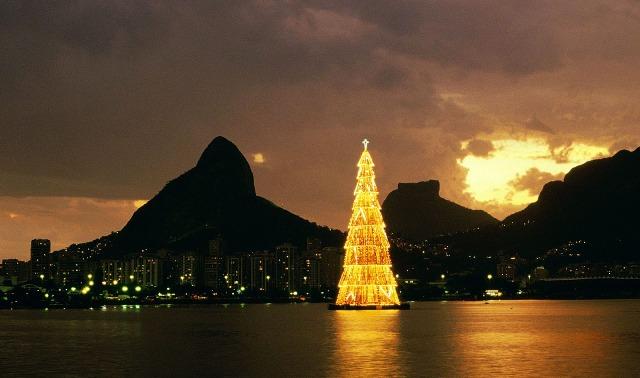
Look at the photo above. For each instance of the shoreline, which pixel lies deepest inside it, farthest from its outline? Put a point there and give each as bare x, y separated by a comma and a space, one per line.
189, 303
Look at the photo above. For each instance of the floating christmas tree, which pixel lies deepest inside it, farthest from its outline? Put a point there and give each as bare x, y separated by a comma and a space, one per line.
367, 280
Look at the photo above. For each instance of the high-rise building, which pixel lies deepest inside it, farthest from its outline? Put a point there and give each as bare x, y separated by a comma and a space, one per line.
67, 268
189, 268
313, 245
285, 272
15, 271
214, 266
215, 247
40, 249
24, 271
112, 271
213, 272
261, 266
331, 267
310, 270
11, 270
10, 267
234, 273
143, 270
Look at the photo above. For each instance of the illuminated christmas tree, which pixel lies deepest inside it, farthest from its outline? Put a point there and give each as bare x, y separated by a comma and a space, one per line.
367, 279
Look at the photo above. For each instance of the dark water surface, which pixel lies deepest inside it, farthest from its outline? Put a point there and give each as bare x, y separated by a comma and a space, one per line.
507, 338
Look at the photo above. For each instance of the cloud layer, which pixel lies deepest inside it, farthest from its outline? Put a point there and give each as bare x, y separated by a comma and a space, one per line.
109, 100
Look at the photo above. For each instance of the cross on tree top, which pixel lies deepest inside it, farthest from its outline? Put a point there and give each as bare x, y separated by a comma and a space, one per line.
365, 142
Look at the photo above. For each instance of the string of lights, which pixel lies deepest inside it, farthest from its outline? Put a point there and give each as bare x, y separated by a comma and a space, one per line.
367, 278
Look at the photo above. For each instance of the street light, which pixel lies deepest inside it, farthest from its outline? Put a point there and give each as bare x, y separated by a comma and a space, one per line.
42, 276
489, 276
442, 276
125, 289
89, 276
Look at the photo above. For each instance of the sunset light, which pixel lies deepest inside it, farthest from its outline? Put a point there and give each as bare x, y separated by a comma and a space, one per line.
258, 158
139, 203
183, 188
515, 170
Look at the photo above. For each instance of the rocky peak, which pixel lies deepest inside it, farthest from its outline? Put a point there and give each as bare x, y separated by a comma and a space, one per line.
416, 211
427, 189
223, 159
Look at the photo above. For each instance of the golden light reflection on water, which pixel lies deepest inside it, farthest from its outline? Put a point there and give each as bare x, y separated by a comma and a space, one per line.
473, 339
522, 345
434, 339
367, 344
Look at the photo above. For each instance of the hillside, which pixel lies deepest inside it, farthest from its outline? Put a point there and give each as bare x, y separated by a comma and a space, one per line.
415, 211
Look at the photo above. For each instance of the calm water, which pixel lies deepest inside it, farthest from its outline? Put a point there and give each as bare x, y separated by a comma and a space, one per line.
524, 338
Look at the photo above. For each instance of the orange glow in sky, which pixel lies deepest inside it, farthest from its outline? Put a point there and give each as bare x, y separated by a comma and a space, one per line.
258, 158
139, 203
510, 173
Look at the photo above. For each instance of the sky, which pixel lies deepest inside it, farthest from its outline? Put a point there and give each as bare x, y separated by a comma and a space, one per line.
103, 102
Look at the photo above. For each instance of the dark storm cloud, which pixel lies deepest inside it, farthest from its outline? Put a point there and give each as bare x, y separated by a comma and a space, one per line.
105, 95
36, 33
511, 37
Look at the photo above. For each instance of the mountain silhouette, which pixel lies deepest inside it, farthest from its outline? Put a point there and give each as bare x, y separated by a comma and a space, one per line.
598, 201
596, 205
598, 192
415, 211
216, 198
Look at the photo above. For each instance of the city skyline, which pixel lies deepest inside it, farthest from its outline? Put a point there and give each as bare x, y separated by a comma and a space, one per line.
101, 114
188, 188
